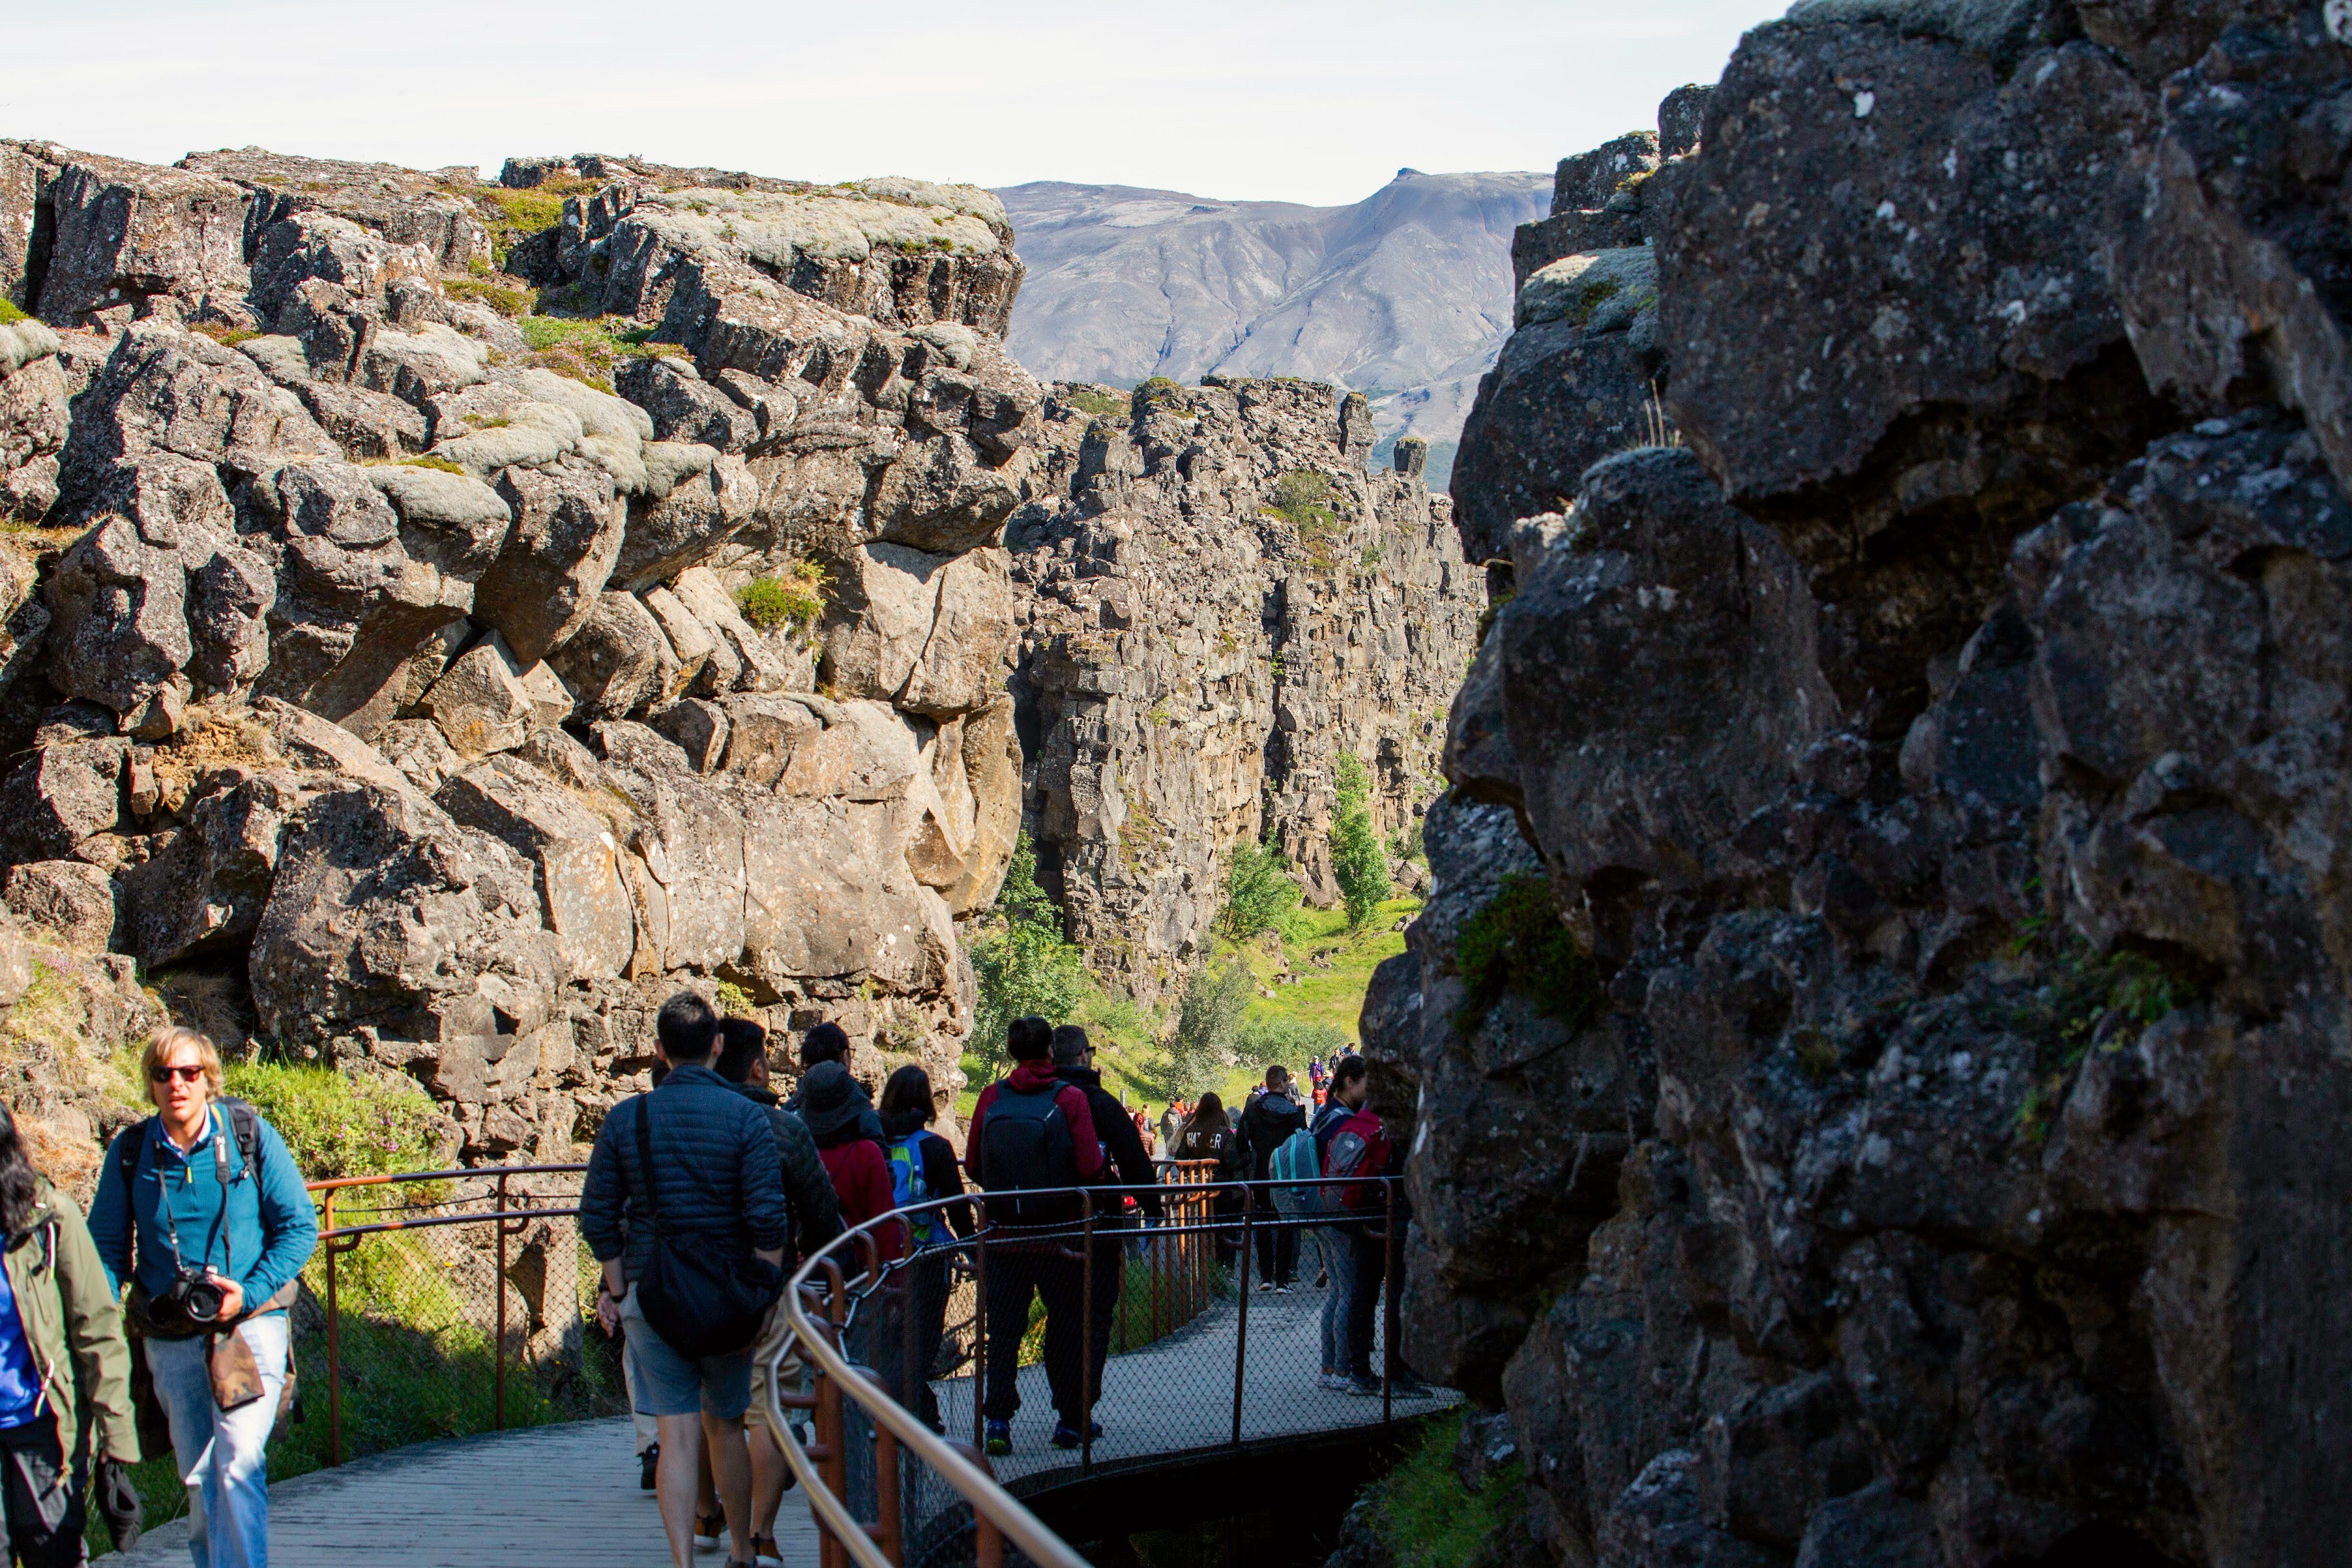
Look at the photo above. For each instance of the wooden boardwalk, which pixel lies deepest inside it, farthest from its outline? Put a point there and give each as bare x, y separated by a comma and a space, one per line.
538, 1497
567, 1495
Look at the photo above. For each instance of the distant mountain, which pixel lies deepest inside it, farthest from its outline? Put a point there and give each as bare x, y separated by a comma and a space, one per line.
1405, 295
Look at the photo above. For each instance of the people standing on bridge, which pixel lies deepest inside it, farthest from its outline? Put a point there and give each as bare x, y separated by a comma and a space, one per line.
816, 1220
1333, 1258
65, 1373
922, 1169
1168, 1124
683, 1205
1031, 1132
202, 1210
1370, 1213
1127, 1172
1269, 1121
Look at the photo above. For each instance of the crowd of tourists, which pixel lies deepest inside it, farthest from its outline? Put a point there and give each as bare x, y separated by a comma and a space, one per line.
700, 1198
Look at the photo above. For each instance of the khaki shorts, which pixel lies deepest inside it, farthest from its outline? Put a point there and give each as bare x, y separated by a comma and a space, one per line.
780, 1326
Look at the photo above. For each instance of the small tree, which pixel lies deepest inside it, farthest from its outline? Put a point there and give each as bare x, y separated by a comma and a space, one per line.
1208, 1030
1359, 861
1258, 891
1026, 967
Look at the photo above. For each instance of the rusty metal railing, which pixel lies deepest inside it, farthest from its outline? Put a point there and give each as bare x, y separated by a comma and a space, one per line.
510, 1199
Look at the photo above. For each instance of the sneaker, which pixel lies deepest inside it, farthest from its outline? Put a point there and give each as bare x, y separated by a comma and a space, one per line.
999, 1438
1332, 1381
1364, 1387
647, 1463
1264, 1285
1066, 1435
1281, 1290
1406, 1388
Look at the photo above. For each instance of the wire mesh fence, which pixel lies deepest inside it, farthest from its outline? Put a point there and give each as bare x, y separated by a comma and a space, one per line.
1091, 1331
450, 1302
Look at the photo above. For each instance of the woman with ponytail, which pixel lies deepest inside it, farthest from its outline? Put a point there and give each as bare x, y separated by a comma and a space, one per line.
64, 1372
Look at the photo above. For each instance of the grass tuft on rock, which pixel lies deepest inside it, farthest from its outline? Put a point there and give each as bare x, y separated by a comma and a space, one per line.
1518, 942
785, 597
9, 312
1427, 1518
1100, 405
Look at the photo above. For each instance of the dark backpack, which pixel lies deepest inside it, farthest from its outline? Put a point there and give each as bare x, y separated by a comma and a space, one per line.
1027, 1142
1360, 1149
702, 1293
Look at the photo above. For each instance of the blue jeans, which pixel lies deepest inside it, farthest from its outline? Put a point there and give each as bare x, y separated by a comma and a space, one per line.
1331, 1255
1359, 1272
221, 1454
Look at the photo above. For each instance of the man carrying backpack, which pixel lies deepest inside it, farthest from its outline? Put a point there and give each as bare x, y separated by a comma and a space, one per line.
1355, 1144
683, 1204
1270, 1121
1127, 1171
1031, 1132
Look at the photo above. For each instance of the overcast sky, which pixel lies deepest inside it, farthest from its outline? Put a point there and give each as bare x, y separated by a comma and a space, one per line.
1297, 100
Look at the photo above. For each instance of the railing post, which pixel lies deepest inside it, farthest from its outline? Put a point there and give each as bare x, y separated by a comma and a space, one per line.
334, 1341
980, 1332
498, 1415
1388, 1301
988, 1541
889, 1529
1087, 1333
1241, 1321
831, 1429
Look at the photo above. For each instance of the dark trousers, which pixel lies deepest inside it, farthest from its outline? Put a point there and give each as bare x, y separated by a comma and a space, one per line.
1056, 1277
1110, 1279
1277, 1250
1226, 1208
42, 1496
1363, 1271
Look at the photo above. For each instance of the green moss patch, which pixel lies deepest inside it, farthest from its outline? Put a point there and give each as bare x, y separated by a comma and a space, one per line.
1518, 943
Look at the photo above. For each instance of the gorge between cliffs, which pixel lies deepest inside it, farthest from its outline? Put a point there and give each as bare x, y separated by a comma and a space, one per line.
1868, 725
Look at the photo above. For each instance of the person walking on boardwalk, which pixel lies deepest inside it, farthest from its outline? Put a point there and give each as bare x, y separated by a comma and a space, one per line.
1269, 1121
65, 1373
1208, 1135
683, 1205
202, 1211
816, 1220
829, 1043
922, 1169
1029, 1130
1128, 1170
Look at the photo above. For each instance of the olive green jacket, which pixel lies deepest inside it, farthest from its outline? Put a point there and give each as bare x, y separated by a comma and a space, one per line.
73, 1326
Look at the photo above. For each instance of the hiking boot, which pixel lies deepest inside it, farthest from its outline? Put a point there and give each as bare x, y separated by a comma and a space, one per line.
999, 1438
647, 1463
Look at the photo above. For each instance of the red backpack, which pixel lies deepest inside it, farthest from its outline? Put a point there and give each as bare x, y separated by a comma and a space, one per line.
1358, 1148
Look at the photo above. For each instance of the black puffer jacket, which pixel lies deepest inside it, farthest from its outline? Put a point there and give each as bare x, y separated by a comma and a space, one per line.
715, 1171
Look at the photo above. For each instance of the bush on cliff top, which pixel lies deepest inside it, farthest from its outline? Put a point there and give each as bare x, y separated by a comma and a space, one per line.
1518, 942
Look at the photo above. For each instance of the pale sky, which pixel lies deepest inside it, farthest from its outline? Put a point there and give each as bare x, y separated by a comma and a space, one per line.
1295, 100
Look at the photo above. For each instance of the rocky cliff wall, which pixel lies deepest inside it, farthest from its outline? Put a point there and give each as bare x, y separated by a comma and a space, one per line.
1892, 1110
1218, 598
393, 670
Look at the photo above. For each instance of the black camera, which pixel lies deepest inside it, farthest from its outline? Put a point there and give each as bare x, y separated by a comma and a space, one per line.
194, 1295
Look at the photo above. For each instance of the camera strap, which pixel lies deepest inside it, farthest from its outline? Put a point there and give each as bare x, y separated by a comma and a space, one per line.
213, 1123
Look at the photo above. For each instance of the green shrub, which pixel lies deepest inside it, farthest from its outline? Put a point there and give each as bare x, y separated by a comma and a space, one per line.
1518, 942
8, 312
1406, 842
1267, 1041
338, 1124
443, 464
1155, 389
1258, 891
1205, 1042
513, 216
1359, 863
734, 1000
1302, 498
1026, 967
797, 595
1101, 405
589, 349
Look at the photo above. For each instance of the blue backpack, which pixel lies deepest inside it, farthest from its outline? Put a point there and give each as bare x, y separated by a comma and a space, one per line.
908, 1187
1295, 1160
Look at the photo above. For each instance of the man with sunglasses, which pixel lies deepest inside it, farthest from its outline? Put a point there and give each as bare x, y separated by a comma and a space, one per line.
202, 1209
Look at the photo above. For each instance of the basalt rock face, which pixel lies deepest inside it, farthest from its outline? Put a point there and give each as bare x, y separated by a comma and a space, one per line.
1931, 1154
1193, 661
360, 653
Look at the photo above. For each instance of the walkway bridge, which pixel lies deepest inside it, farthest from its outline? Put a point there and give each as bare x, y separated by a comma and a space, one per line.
481, 1270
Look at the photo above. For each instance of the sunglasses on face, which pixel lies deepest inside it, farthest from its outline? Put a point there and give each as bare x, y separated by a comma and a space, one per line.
165, 1075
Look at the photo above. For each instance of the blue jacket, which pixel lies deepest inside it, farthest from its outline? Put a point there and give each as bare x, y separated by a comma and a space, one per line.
714, 1161
269, 1232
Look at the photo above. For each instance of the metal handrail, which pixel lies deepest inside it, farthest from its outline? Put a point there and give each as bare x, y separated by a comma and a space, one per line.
820, 1466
